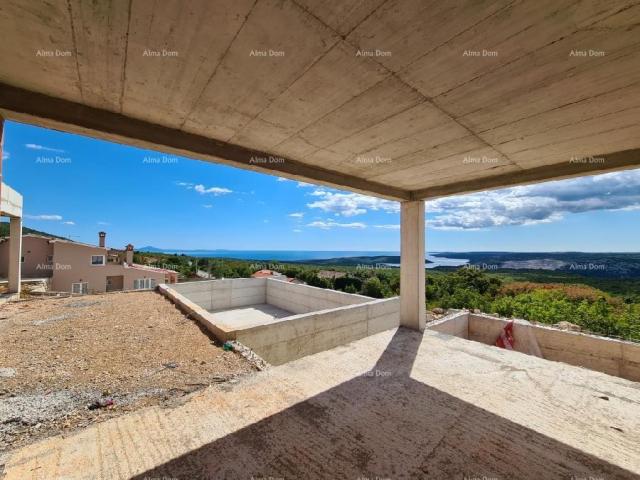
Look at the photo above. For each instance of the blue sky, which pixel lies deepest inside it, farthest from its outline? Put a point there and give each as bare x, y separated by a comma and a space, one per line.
75, 186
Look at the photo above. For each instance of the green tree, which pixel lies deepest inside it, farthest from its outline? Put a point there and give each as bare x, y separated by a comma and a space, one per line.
372, 287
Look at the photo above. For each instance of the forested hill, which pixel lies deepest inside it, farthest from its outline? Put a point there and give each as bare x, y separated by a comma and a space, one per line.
4, 231
604, 265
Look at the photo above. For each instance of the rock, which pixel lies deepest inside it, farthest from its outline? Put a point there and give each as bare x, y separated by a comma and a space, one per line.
7, 372
438, 311
572, 327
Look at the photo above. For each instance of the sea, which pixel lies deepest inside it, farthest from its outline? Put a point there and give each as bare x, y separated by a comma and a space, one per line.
301, 255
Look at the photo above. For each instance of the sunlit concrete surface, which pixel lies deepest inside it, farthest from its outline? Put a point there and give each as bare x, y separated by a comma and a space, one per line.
398, 404
250, 316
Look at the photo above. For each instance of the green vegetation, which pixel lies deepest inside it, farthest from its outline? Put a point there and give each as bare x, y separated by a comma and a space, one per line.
603, 306
590, 308
4, 231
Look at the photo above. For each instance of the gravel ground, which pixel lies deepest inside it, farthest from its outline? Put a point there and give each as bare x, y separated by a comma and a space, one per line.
61, 355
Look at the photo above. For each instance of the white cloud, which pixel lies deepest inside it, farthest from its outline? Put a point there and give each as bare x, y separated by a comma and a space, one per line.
534, 204
331, 224
103, 223
69, 223
215, 191
296, 215
388, 227
305, 185
207, 205
44, 217
282, 179
34, 146
351, 204
6, 155
297, 230
185, 184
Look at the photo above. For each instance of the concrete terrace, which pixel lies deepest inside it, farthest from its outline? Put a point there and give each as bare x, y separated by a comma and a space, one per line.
404, 100
398, 404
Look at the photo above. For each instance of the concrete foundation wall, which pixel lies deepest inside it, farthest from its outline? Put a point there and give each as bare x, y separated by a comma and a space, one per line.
221, 294
607, 355
456, 324
339, 318
298, 298
305, 334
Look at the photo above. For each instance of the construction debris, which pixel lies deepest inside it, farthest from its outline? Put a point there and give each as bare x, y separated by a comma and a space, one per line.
97, 359
101, 403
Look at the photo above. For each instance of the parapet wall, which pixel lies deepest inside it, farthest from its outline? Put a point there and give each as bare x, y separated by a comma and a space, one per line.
614, 357
221, 294
298, 298
305, 334
322, 319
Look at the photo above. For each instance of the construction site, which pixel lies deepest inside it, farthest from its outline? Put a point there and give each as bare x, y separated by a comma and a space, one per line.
135, 375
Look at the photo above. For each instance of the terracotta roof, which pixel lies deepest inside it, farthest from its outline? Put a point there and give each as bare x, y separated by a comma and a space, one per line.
266, 273
151, 269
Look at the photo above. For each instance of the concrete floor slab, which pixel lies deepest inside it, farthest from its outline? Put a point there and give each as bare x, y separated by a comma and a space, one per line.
250, 316
398, 404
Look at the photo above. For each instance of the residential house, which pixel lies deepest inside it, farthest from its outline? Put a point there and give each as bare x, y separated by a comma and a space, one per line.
82, 268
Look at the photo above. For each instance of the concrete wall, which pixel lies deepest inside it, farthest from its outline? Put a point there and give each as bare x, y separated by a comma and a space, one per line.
35, 251
298, 298
456, 324
222, 294
607, 355
306, 334
338, 318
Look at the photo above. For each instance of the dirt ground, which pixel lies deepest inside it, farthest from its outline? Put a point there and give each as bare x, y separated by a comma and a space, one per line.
58, 356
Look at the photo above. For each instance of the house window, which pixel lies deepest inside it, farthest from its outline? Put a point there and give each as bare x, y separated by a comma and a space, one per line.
80, 288
49, 258
21, 259
97, 259
144, 283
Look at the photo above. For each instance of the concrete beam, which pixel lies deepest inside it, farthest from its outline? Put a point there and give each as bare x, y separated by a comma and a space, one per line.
412, 264
15, 254
10, 201
42, 110
1, 155
574, 167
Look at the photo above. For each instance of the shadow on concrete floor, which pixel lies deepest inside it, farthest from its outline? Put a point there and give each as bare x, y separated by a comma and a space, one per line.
386, 425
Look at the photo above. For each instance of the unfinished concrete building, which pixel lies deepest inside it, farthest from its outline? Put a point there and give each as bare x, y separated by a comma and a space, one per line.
405, 100
11, 206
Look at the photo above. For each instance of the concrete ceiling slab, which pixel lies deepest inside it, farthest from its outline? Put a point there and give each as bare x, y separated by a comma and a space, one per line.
394, 98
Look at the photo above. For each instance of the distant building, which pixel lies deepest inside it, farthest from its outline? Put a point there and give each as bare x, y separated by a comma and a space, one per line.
269, 274
276, 275
82, 268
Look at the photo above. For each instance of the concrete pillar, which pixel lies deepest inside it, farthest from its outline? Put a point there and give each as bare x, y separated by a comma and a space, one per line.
15, 254
412, 262
1, 151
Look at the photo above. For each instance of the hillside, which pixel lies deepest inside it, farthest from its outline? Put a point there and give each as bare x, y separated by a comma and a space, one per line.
603, 265
4, 231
